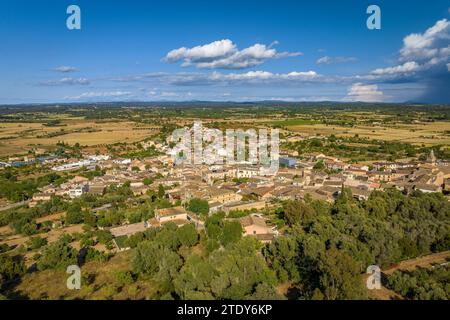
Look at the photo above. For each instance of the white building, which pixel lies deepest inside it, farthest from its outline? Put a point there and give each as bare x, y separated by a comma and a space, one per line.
247, 172
78, 190
72, 166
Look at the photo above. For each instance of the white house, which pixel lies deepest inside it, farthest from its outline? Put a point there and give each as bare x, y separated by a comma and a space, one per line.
78, 190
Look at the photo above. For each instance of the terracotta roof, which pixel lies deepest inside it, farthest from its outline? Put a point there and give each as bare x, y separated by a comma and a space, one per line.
253, 220
128, 229
170, 211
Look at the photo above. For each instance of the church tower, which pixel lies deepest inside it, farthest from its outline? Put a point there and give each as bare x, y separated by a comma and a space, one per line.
432, 157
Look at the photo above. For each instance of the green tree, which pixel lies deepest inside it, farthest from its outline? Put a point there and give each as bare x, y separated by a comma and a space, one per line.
187, 235
29, 228
340, 276
282, 256
194, 279
89, 219
104, 236
11, 268
152, 258
298, 212
232, 232
198, 206
124, 278
239, 270
161, 191
57, 255
319, 165
74, 214
265, 291
213, 225
36, 242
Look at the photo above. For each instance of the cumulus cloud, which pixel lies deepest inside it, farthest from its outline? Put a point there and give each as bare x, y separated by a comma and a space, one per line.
66, 81
427, 52
265, 75
251, 77
224, 54
430, 44
365, 93
65, 69
423, 59
407, 67
332, 60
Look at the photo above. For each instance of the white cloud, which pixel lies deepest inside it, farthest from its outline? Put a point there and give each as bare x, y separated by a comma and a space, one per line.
260, 75
263, 76
324, 60
65, 69
93, 94
66, 81
330, 60
224, 54
365, 93
213, 50
253, 77
422, 55
305, 75
448, 67
157, 94
407, 67
424, 46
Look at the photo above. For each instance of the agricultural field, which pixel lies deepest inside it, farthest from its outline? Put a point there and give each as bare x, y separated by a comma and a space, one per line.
17, 138
427, 134
331, 236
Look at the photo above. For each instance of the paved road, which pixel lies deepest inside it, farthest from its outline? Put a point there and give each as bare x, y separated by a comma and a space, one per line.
14, 205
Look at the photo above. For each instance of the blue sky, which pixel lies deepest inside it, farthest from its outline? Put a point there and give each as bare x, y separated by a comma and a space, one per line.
224, 50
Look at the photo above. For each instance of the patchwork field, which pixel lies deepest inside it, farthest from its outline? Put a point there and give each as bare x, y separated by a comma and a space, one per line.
18, 138
423, 133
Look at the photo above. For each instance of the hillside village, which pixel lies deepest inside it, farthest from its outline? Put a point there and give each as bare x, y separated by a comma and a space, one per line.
213, 153
234, 188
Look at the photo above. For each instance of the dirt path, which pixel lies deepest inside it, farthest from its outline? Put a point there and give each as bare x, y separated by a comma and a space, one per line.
51, 217
407, 265
424, 262
14, 205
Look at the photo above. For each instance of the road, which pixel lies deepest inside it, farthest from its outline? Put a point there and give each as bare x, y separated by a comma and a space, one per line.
14, 205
